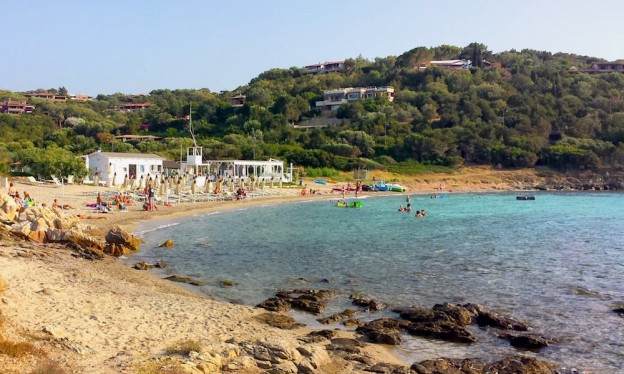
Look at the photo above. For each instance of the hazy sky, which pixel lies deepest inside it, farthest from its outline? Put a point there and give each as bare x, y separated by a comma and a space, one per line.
135, 46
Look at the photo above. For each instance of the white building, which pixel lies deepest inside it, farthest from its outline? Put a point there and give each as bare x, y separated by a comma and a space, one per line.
333, 99
106, 164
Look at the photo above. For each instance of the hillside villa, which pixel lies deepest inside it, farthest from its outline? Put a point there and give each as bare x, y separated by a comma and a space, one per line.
333, 99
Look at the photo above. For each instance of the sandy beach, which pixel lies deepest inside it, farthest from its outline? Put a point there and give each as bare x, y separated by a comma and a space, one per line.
101, 316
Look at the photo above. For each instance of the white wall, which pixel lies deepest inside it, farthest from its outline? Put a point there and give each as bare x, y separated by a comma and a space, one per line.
121, 166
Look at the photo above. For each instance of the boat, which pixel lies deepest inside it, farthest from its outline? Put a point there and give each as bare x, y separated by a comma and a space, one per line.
319, 181
525, 197
389, 187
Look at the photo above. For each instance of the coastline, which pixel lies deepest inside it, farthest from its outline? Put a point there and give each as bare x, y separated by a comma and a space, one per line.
103, 316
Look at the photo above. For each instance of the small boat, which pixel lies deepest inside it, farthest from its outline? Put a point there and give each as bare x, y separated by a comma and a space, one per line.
344, 204
525, 197
388, 187
319, 181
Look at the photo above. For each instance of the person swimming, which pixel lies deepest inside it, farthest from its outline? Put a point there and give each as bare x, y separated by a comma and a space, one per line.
401, 209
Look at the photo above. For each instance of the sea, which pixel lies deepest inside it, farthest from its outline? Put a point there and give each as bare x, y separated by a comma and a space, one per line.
556, 262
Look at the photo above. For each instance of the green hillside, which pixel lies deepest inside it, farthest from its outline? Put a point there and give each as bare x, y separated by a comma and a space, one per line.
515, 108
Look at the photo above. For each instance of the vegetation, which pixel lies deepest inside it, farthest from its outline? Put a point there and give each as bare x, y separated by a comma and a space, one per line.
526, 108
184, 347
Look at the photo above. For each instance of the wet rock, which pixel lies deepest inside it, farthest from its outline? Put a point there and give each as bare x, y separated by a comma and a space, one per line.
338, 317
383, 330
226, 283
449, 366
179, 279
167, 244
353, 322
327, 334
489, 318
527, 341
312, 301
386, 368
456, 313
345, 345
448, 331
521, 365
369, 304
275, 304
619, 310
279, 320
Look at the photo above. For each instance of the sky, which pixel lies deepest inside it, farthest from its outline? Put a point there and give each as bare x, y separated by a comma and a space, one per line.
136, 46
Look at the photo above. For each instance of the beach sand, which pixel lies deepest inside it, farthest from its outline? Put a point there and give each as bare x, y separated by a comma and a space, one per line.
104, 317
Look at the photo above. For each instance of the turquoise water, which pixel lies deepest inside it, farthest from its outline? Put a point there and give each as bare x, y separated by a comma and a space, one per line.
556, 262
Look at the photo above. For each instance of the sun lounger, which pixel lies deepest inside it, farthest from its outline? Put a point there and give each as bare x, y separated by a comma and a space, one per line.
33, 181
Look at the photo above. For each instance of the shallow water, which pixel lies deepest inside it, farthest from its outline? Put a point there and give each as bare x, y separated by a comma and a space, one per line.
556, 262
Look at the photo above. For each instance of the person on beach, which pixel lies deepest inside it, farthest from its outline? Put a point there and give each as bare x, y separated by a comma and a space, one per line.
12, 190
150, 197
62, 206
408, 199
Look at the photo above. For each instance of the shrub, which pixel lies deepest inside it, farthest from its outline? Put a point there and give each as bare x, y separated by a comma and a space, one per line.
321, 172
184, 347
48, 367
414, 167
13, 349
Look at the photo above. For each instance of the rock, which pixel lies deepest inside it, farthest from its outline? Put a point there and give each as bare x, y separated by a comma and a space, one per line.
456, 313
142, 266
76, 236
316, 355
313, 301
442, 330
275, 304
489, 318
53, 331
345, 345
528, 341
449, 366
243, 364
167, 244
386, 368
177, 278
369, 304
520, 364
226, 283
279, 320
120, 242
2, 285
338, 317
383, 330
618, 310
353, 322
8, 207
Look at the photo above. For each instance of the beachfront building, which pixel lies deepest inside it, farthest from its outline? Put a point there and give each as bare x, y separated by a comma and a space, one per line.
325, 67
268, 170
333, 99
136, 165
15, 107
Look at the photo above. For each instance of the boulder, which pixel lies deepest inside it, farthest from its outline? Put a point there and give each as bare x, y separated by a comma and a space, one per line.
527, 341
345, 345
489, 318
384, 330
167, 244
338, 317
442, 330
2, 285
456, 313
120, 242
8, 207
449, 366
179, 279
280, 321
76, 236
386, 368
369, 304
520, 364
275, 304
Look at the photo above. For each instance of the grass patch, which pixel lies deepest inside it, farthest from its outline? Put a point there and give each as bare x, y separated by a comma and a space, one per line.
13, 349
49, 367
413, 167
184, 347
154, 367
321, 172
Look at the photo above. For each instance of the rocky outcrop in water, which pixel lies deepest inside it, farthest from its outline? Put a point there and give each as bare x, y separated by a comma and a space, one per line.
369, 304
512, 364
527, 341
120, 242
312, 301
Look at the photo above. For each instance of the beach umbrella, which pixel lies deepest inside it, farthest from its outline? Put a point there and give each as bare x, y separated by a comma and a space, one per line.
125, 182
242, 183
194, 186
96, 179
172, 183
141, 183
232, 187
161, 190
263, 184
114, 179
177, 188
209, 187
272, 182
279, 183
